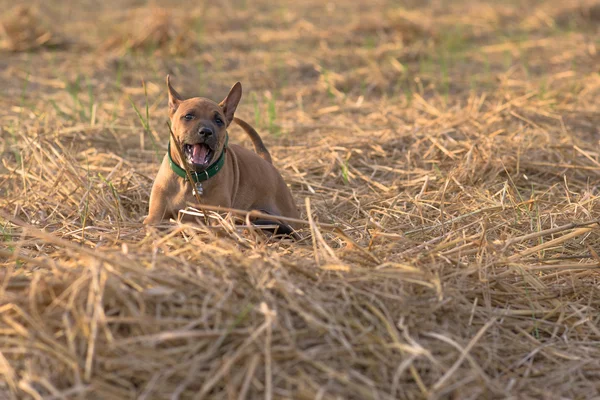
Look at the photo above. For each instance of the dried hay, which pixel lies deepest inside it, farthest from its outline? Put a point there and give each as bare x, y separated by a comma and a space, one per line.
587, 12
154, 29
583, 13
23, 29
463, 262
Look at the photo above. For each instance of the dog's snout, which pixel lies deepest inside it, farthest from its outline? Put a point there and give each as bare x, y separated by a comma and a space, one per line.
205, 131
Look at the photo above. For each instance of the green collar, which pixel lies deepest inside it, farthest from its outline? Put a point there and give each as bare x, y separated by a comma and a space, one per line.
203, 175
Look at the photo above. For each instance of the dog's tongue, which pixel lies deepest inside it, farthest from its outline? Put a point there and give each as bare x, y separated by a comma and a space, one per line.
199, 153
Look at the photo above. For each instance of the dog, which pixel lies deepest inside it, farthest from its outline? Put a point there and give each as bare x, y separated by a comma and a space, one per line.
225, 175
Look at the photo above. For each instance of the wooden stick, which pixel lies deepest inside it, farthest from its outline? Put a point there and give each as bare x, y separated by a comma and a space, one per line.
256, 213
551, 243
550, 231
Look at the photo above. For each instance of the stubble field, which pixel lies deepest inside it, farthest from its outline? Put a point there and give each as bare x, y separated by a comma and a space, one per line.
444, 156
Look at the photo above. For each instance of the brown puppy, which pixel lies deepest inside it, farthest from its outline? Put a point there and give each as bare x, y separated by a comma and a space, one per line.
227, 176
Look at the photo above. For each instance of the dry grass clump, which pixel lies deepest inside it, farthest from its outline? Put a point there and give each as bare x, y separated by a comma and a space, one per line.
449, 187
154, 29
409, 25
586, 12
23, 29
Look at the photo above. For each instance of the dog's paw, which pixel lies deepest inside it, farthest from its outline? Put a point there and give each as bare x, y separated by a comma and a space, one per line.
149, 220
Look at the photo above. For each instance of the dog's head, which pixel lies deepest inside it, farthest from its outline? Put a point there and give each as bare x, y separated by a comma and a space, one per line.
200, 126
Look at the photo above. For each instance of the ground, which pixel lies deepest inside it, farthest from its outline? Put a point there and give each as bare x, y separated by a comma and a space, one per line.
444, 156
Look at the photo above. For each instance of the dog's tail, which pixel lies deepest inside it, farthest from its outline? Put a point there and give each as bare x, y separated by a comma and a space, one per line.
259, 146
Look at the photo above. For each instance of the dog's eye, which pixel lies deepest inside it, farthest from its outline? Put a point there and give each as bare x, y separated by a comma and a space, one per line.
218, 120
188, 117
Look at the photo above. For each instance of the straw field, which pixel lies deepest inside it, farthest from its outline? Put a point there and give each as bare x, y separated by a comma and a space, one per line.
444, 156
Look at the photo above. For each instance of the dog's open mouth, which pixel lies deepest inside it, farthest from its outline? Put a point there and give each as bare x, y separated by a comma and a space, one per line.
198, 155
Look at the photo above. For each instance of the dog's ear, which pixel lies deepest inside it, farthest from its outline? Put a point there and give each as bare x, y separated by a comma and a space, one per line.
174, 97
230, 103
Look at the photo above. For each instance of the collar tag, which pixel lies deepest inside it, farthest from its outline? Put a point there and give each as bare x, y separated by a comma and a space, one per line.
198, 189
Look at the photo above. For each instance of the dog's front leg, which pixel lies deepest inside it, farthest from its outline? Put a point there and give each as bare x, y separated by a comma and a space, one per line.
158, 207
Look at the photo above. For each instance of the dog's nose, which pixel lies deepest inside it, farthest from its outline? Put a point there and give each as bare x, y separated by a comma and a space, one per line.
205, 131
